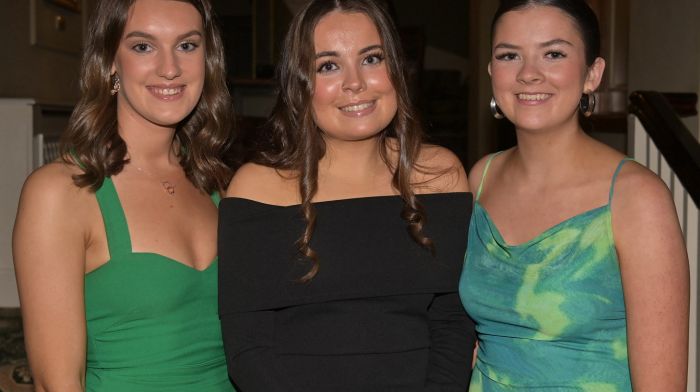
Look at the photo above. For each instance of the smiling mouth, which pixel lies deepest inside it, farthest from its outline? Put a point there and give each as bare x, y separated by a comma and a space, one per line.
357, 107
166, 92
533, 97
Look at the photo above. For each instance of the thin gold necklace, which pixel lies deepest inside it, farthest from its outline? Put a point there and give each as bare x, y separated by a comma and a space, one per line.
168, 186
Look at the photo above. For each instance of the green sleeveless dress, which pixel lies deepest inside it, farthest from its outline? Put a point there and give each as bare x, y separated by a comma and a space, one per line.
549, 313
152, 322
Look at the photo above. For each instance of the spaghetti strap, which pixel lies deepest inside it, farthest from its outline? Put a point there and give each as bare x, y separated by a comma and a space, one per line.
614, 177
483, 175
116, 228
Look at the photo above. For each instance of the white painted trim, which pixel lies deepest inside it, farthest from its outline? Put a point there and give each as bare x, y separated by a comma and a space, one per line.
645, 152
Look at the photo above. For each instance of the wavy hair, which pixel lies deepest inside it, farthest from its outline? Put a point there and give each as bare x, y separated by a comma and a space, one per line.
204, 136
292, 140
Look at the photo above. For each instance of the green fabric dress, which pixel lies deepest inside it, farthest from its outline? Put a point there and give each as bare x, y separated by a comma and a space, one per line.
549, 313
152, 322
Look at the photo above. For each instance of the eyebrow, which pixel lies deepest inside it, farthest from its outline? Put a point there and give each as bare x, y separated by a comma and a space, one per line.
331, 53
142, 34
556, 41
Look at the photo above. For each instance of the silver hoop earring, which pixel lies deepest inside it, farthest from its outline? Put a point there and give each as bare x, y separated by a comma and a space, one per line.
495, 110
587, 104
116, 84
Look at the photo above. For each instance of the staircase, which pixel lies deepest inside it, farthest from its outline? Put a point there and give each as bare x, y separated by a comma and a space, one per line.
659, 140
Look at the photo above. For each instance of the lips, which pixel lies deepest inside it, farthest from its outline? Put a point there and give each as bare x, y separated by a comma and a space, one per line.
166, 93
358, 107
533, 97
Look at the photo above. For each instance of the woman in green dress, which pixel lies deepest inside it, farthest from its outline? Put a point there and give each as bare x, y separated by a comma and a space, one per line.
115, 244
576, 274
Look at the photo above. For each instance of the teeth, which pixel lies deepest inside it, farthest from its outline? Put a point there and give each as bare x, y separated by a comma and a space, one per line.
357, 108
167, 91
533, 97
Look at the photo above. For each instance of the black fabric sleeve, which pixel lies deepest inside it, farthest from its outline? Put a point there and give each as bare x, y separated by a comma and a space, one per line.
452, 339
248, 340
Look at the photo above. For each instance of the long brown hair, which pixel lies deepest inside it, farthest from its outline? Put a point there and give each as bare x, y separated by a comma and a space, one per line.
91, 139
293, 141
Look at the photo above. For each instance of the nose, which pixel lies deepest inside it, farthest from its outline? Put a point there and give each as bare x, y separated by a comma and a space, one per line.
529, 73
169, 65
354, 81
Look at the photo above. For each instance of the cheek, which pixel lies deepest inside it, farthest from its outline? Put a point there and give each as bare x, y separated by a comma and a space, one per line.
567, 77
379, 81
501, 77
325, 92
131, 69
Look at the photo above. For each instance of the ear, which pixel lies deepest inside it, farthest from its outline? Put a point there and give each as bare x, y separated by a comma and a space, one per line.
594, 75
488, 68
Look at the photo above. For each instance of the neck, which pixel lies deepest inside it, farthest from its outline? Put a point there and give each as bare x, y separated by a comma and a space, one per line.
549, 156
352, 160
148, 144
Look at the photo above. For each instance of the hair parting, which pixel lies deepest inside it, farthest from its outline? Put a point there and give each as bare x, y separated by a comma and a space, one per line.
203, 139
292, 141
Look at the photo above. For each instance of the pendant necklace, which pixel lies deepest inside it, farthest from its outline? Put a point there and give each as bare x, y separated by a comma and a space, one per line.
168, 186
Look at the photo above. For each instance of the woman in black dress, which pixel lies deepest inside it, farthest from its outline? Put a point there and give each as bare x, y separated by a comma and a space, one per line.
341, 242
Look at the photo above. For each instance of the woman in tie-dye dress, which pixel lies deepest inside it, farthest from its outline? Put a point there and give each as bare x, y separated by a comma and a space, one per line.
576, 274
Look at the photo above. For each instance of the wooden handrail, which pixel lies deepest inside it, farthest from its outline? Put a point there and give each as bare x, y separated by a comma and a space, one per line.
675, 142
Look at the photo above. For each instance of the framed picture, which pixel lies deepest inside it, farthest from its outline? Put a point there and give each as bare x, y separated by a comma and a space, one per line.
73, 5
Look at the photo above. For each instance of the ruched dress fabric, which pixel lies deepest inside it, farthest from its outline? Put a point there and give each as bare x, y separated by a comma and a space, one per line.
550, 312
382, 314
152, 322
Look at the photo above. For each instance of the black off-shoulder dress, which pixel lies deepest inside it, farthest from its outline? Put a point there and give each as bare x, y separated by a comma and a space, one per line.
382, 314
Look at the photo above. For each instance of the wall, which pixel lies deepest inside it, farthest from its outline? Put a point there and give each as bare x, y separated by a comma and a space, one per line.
32, 72
482, 125
445, 26
664, 53
26, 71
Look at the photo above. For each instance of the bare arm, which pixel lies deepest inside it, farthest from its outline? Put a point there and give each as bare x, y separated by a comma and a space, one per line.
655, 279
49, 252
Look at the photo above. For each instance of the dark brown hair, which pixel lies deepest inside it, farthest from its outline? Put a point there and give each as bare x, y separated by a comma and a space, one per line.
578, 10
293, 141
91, 139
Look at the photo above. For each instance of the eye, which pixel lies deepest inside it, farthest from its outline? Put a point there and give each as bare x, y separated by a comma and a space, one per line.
142, 47
326, 67
188, 46
372, 59
555, 55
507, 56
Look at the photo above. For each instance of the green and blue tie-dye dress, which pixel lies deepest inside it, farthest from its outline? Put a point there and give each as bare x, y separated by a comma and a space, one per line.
549, 313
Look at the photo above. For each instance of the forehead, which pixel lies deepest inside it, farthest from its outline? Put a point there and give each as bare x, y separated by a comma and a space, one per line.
339, 28
537, 23
162, 16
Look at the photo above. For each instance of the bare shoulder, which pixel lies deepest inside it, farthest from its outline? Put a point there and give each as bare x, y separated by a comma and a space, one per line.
477, 172
639, 190
263, 184
52, 186
438, 170
643, 211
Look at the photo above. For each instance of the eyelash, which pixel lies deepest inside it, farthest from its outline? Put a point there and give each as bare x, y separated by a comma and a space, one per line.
192, 44
136, 48
379, 56
145, 47
509, 56
324, 67
555, 55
